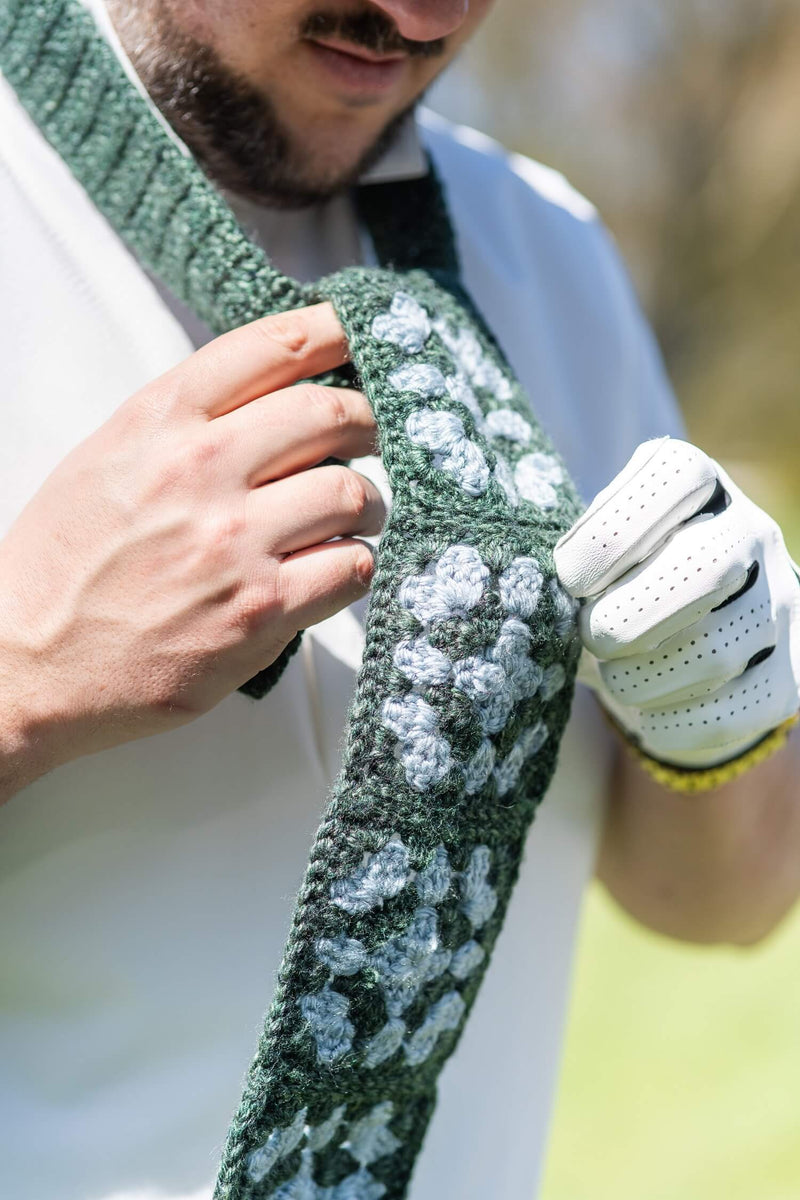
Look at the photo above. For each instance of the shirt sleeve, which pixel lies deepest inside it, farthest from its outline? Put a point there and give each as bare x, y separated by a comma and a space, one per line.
649, 407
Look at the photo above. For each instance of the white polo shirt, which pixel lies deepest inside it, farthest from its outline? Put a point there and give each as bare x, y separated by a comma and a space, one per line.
146, 891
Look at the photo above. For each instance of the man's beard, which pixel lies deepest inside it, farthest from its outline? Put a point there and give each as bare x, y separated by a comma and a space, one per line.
232, 128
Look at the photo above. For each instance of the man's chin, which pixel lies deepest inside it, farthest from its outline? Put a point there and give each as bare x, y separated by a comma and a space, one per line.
285, 192
294, 180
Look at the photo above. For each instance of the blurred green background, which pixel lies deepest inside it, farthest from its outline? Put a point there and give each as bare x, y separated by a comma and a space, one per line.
679, 119
680, 1078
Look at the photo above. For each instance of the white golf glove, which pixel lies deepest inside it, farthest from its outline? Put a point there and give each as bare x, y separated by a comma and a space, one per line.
690, 608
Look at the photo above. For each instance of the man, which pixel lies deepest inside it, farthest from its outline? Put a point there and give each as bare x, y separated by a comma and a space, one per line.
163, 542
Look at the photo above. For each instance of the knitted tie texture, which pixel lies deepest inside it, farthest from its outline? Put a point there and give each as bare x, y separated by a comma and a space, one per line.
470, 651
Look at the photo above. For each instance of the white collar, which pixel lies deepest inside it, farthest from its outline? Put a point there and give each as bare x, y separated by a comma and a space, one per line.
405, 158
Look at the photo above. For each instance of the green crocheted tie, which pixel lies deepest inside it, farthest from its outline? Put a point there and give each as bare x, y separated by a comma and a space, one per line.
470, 651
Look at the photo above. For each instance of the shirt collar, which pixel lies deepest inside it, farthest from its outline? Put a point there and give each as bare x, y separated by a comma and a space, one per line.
404, 158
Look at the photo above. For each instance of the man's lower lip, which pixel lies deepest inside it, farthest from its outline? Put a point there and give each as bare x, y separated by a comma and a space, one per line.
356, 74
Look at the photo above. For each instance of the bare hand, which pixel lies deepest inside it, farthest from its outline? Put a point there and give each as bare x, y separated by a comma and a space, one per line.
175, 552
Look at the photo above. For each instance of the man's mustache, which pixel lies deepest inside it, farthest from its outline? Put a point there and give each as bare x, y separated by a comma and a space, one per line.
370, 29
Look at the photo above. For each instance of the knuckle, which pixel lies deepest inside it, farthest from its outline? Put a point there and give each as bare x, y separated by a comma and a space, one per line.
223, 528
253, 612
363, 566
179, 393
352, 493
256, 604
283, 598
688, 452
188, 458
199, 453
154, 408
331, 403
288, 596
220, 553
288, 331
569, 559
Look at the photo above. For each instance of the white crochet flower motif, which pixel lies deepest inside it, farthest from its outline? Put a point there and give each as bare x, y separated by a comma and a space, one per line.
536, 477
505, 423
418, 377
504, 476
500, 422
381, 877
480, 370
405, 325
450, 586
495, 680
422, 663
280, 1144
521, 586
424, 753
453, 452
498, 678
443, 433
366, 1141
458, 387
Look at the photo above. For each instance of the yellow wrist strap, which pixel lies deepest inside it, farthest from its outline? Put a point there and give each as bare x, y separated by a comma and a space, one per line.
704, 779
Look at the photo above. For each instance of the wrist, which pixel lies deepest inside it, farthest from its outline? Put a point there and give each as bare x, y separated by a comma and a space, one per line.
22, 758
27, 733
698, 777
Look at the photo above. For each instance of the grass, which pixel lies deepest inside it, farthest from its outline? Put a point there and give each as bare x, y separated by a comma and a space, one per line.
681, 1076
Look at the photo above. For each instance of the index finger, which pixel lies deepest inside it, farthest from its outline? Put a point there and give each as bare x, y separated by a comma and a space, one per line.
260, 357
665, 482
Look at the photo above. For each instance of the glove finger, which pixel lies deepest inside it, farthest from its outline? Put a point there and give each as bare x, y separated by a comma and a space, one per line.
701, 565
714, 728
698, 660
665, 483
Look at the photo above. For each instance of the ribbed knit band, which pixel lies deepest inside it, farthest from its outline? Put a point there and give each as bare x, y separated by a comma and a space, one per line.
470, 651
54, 55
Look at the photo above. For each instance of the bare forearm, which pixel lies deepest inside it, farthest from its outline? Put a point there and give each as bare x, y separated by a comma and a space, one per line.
721, 866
